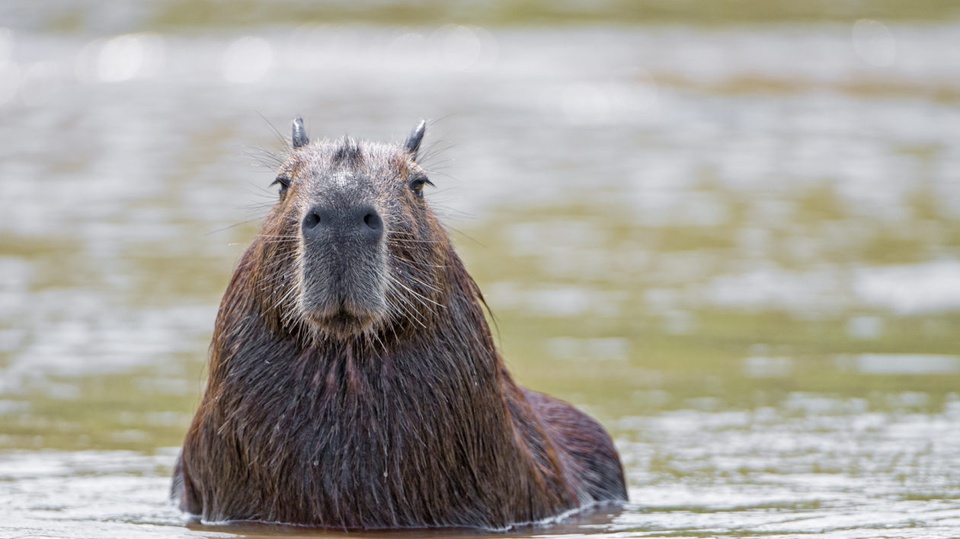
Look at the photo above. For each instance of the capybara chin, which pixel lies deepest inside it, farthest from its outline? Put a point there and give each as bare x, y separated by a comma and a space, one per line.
353, 379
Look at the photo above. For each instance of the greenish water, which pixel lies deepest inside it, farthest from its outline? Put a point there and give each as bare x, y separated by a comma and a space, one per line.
737, 246
206, 14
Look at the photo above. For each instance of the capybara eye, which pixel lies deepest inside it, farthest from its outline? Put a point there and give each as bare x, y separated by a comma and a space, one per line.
416, 185
283, 181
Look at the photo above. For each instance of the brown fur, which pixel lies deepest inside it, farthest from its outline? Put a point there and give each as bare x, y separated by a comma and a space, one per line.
389, 407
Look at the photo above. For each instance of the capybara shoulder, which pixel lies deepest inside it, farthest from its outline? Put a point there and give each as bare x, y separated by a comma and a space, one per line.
353, 380
585, 448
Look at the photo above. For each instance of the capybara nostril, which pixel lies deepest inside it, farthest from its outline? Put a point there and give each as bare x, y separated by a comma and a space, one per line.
373, 221
311, 221
332, 222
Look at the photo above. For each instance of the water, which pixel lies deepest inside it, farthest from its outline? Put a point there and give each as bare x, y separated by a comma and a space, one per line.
737, 246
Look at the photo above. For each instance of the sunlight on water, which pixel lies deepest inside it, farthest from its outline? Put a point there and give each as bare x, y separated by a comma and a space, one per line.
247, 60
904, 364
737, 246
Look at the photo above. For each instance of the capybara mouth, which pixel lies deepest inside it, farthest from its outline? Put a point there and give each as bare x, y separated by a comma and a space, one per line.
339, 301
343, 322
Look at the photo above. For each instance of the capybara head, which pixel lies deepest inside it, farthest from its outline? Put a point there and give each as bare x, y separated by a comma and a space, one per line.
351, 246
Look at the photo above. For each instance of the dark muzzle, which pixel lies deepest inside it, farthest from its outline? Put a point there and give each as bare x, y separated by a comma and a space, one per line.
344, 269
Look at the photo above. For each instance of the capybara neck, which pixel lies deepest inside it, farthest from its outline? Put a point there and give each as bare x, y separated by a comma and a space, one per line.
354, 382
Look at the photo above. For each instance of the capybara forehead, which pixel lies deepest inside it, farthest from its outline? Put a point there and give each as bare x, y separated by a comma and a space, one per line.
350, 163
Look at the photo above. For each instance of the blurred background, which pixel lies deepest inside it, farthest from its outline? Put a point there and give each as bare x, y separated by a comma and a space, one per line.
730, 229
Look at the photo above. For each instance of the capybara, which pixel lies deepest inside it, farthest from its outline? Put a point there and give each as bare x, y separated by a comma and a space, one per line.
354, 382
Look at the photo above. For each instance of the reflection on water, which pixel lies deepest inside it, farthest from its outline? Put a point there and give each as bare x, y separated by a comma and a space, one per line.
739, 247
903, 364
814, 465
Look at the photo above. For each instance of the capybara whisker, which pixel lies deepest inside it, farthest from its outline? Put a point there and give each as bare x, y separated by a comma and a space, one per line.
426, 285
413, 294
406, 307
417, 264
397, 241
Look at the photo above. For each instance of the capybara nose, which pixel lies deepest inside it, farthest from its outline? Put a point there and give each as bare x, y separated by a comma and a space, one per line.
362, 222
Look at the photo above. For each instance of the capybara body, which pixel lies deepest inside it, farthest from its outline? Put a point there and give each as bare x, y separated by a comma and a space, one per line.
354, 382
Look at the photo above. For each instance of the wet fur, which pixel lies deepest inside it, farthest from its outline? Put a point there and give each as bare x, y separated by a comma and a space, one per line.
409, 419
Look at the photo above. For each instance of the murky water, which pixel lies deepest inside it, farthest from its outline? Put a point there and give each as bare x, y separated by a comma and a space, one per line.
739, 247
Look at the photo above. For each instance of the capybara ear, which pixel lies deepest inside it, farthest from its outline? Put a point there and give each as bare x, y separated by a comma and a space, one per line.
299, 135
416, 137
